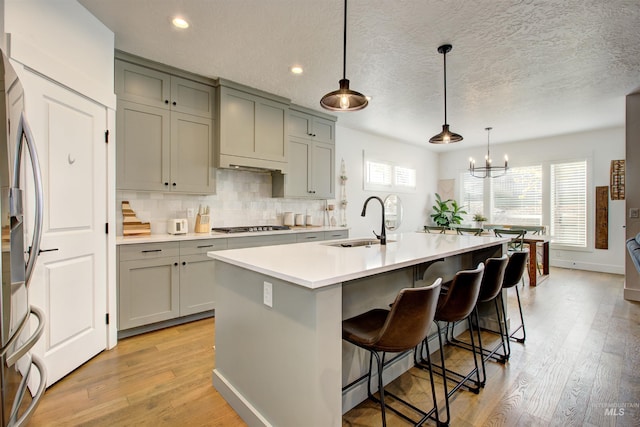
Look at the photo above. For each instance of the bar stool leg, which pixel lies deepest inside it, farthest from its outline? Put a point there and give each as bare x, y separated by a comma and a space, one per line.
444, 377
484, 371
380, 364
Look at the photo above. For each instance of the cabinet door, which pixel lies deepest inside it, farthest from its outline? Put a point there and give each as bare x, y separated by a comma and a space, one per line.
299, 124
148, 291
323, 176
142, 85
252, 126
324, 130
142, 147
196, 284
298, 180
192, 154
271, 125
237, 123
191, 97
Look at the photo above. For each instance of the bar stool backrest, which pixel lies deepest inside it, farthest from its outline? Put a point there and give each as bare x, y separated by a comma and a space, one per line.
410, 318
515, 268
517, 241
461, 297
466, 230
492, 278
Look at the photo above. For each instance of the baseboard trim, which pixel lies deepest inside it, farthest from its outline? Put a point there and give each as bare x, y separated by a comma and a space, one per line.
588, 266
242, 406
631, 294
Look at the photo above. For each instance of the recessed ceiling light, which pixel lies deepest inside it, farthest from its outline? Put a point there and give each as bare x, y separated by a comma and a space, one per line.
180, 22
296, 69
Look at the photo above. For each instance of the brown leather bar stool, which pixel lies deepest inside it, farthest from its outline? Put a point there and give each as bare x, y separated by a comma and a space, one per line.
490, 291
455, 304
516, 267
397, 330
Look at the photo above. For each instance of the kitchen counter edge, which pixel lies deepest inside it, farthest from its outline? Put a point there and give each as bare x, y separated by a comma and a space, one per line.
158, 238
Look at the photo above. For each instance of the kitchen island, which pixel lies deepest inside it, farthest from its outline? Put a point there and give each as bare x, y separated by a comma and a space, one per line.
280, 359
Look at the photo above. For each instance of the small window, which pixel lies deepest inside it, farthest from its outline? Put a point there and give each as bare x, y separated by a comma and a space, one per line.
569, 203
382, 175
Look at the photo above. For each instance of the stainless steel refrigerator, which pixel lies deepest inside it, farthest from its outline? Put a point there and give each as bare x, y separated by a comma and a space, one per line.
21, 324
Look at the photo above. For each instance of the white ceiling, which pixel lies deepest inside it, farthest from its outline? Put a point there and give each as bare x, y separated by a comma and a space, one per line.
528, 68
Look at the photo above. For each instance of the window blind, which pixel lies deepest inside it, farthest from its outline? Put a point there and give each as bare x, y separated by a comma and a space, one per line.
517, 196
472, 195
569, 203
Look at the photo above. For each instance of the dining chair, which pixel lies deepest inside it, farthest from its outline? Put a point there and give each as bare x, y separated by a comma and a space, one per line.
517, 241
469, 231
438, 229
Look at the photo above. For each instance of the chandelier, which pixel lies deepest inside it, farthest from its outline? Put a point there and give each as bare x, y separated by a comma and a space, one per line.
488, 170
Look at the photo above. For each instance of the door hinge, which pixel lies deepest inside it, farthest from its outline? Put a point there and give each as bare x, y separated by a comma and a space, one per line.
106, 318
106, 136
106, 228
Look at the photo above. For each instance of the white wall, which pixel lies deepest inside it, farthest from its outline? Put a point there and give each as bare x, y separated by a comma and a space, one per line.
600, 147
350, 146
63, 41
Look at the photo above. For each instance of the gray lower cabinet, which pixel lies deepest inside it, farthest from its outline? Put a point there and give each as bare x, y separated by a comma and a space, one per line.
163, 281
148, 284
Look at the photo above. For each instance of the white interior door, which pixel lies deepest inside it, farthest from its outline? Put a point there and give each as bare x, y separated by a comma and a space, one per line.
69, 282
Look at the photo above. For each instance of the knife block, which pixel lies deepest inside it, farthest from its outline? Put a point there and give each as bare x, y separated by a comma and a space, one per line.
203, 223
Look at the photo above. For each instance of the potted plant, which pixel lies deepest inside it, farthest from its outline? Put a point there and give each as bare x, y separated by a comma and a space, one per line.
446, 212
479, 219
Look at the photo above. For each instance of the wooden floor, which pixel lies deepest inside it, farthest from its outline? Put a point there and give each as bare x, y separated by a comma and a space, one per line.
580, 366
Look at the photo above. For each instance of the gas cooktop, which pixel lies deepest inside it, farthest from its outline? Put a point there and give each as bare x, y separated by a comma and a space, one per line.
251, 228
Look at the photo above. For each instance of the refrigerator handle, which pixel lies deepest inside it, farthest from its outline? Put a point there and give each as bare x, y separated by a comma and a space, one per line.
26, 415
25, 130
30, 342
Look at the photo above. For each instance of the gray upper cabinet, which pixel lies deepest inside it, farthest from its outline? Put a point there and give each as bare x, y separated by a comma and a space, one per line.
311, 157
252, 128
164, 131
311, 126
148, 86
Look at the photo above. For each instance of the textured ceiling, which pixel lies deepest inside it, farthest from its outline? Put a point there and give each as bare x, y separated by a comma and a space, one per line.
528, 68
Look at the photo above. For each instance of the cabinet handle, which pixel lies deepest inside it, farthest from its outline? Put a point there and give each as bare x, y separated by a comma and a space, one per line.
175, 263
174, 102
166, 183
174, 184
151, 250
184, 263
311, 237
166, 101
205, 246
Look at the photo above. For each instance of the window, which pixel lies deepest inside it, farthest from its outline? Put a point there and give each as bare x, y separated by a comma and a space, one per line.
520, 198
472, 195
383, 175
569, 203
517, 196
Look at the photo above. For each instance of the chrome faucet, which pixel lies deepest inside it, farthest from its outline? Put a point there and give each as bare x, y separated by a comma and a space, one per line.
383, 233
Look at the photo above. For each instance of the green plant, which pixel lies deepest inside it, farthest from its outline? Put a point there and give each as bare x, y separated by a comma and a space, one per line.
479, 217
445, 215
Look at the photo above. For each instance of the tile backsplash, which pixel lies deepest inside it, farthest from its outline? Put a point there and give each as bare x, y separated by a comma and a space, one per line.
243, 198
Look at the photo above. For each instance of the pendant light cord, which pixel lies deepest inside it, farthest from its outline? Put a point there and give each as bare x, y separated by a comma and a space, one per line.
445, 87
344, 45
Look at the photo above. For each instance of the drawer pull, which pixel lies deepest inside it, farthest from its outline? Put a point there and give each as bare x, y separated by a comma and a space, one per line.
151, 250
205, 246
311, 237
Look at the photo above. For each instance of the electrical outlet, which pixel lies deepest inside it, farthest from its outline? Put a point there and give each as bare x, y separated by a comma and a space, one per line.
634, 213
268, 294
191, 212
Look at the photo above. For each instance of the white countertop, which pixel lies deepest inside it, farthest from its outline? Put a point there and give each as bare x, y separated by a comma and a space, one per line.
316, 264
157, 238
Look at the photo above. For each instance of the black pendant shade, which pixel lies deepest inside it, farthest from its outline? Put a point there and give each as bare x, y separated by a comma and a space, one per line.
344, 99
446, 136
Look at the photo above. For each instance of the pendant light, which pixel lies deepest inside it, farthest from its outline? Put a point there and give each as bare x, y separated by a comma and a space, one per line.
488, 170
446, 136
344, 99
